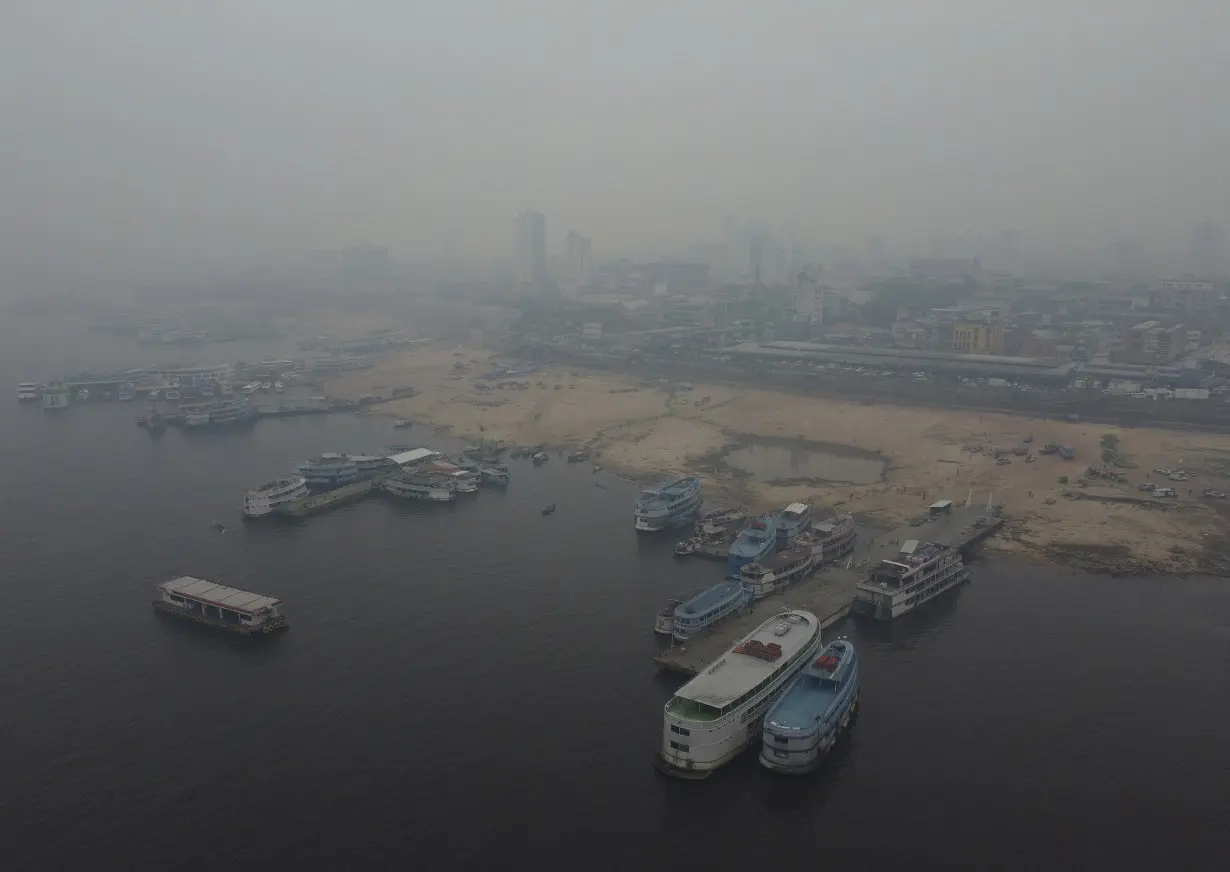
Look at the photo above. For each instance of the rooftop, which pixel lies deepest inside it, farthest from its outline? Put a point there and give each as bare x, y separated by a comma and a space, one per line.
220, 595
413, 456
796, 509
732, 675
710, 598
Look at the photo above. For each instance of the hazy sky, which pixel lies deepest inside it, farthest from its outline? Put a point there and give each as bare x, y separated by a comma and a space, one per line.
158, 135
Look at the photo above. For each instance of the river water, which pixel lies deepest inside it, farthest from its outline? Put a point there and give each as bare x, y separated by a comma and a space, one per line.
471, 686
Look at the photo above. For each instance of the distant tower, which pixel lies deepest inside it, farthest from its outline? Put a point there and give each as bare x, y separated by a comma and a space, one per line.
531, 230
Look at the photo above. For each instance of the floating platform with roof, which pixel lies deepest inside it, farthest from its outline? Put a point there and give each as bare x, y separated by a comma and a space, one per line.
221, 607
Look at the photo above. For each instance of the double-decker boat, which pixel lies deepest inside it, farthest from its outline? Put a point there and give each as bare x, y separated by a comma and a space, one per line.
260, 501
216, 605
213, 414
671, 504
831, 538
419, 487
817, 708
706, 608
920, 573
792, 521
776, 572
329, 470
755, 542
27, 391
719, 712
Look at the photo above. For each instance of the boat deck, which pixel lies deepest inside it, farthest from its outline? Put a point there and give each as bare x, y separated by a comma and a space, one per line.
829, 592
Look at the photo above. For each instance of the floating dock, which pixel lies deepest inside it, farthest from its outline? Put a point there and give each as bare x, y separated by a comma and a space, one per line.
828, 593
329, 499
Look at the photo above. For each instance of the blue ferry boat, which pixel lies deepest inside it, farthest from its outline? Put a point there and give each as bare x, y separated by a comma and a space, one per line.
673, 503
756, 541
328, 471
817, 708
707, 608
792, 521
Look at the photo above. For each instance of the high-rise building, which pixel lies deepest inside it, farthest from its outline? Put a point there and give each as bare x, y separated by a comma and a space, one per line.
532, 249
578, 260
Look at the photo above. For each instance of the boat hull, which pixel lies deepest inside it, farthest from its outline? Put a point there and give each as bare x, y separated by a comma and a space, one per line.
811, 758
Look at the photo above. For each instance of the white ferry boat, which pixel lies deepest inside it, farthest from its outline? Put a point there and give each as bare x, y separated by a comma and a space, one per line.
920, 573
719, 712
776, 572
262, 500
419, 487
27, 391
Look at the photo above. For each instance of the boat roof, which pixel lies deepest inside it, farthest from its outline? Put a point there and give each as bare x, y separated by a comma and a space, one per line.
413, 455
710, 598
796, 510
811, 693
732, 675
286, 481
331, 459
830, 524
672, 487
219, 594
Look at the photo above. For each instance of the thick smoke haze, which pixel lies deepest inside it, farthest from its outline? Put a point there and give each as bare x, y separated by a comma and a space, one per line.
145, 137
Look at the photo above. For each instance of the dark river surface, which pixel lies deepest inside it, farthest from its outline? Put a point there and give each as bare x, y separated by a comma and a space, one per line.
471, 686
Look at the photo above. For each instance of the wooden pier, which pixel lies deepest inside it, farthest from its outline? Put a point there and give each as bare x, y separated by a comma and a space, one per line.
829, 592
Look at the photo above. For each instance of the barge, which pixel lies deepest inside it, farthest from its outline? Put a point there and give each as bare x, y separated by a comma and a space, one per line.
220, 607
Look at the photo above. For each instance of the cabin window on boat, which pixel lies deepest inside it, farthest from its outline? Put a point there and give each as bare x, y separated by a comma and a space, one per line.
678, 747
680, 730
176, 598
247, 619
781, 740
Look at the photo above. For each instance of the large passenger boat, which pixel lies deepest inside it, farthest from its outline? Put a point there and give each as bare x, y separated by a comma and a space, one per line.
671, 504
216, 413
27, 391
715, 715
792, 521
219, 606
832, 538
419, 487
707, 608
817, 708
755, 542
920, 573
776, 572
262, 500
328, 471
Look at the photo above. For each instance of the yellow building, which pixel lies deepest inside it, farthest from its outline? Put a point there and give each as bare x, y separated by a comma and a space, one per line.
970, 338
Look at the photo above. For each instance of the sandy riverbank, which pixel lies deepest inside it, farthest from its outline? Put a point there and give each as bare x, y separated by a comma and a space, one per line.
642, 429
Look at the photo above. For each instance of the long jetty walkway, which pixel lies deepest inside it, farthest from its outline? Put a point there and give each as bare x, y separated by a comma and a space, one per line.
829, 592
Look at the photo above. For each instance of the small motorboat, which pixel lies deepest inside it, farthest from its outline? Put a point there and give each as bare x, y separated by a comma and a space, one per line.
547, 510
400, 424
540, 457
578, 456
687, 546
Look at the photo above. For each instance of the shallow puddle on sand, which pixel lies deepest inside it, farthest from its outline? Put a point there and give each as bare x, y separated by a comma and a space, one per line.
776, 462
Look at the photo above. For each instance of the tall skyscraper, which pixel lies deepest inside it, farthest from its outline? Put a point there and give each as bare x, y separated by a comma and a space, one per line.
532, 249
